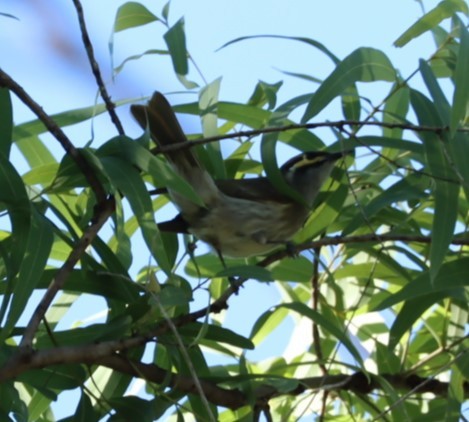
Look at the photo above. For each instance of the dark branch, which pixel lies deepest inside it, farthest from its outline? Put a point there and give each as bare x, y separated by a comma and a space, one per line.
110, 106
64, 272
57, 133
336, 124
102, 354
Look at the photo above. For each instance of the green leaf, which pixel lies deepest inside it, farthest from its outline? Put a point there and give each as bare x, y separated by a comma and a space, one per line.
313, 43
165, 10
129, 182
339, 333
162, 173
273, 172
7, 15
447, 284
443, 10
119, 68
460, 108
11, 403
175, 39
132, 14
85, 411
208, 103
111, 330
33, 149
351, 106
216, 334
41, 175
439, 100
6, 122
265, 93
60, 377
411, 311
395, 110
327, 211
446, 193
131, 408
292, 269
266, 323
13, 196
32, 267
363, 65
410, 188
63, 119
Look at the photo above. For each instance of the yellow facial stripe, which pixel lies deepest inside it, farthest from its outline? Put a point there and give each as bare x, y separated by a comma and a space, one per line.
307, 161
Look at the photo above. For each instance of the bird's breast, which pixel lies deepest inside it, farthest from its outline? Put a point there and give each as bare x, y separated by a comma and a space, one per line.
241, 228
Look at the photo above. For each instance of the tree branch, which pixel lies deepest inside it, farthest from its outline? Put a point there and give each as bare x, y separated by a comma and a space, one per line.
104, 211
110, 106
57, 133
102, 354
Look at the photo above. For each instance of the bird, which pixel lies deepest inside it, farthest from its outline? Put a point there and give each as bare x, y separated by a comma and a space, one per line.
239, 218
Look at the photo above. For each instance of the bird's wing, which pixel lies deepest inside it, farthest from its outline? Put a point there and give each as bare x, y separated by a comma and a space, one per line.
256, 189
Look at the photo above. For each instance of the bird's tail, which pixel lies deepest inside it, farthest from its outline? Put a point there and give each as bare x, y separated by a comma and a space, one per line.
158, 117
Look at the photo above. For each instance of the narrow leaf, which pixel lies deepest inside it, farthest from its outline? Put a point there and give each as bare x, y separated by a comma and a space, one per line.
313, 43
6, 122
128, 180
175, 39
452, 278
338, 332
269, 160
460, 108
32, 267
431, 19
363, 65
446, 193
132, 14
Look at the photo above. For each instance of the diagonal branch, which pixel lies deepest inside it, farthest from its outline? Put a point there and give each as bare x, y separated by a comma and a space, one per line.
110, 106
57, 133
104, 211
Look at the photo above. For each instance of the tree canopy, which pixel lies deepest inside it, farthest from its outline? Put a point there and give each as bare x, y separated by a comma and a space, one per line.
374, 287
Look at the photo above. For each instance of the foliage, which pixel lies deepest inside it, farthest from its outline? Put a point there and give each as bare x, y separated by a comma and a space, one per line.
380, 280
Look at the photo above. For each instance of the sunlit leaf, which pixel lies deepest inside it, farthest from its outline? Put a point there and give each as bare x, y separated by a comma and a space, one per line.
363, 65
441, 11
132, 14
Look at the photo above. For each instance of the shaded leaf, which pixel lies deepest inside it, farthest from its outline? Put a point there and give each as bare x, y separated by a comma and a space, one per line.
217, 334
6, 122
446, 284
446, 193
37, 251
128, 180
460, 108
175, 39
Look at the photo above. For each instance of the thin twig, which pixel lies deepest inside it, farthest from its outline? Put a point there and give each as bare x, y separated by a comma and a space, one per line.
57, 133
186, 357
110, 106
336, 124
315, 300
